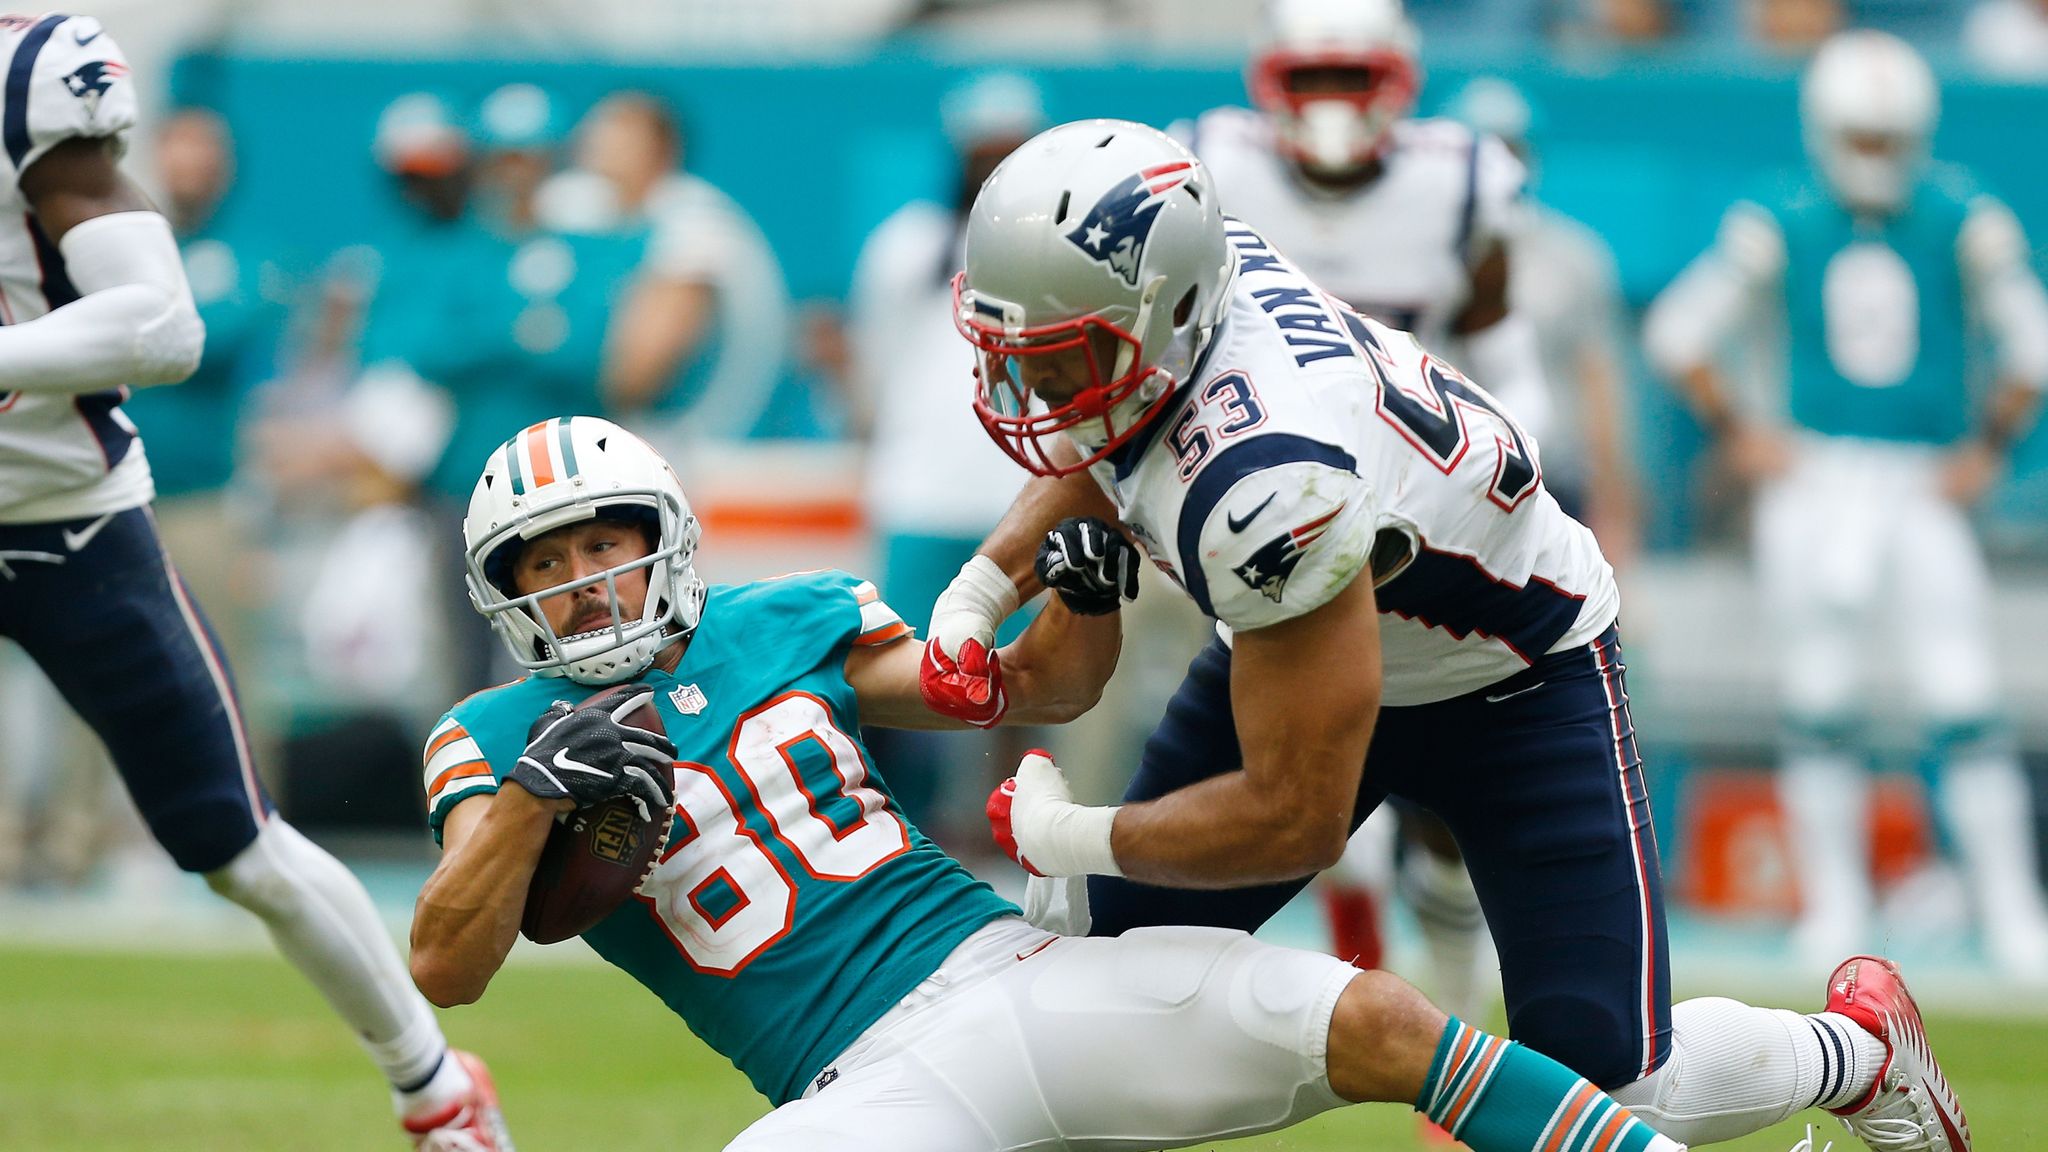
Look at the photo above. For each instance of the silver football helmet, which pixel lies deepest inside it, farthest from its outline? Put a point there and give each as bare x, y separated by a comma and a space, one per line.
559, 472
1869, 104
1103, 239
1334, 76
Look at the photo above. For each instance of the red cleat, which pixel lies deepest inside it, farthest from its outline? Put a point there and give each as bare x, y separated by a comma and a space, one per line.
471, 1124
1910, 1108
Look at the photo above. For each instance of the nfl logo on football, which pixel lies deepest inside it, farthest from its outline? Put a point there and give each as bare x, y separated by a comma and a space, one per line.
689, 699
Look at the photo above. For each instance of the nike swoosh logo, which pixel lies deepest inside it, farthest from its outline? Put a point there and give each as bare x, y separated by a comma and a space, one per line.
84, 40
76, 541
1515, 693
1240, 524
563, 762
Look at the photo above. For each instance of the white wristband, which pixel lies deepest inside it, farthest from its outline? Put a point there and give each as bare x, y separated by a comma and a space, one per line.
1074, 841
979, 599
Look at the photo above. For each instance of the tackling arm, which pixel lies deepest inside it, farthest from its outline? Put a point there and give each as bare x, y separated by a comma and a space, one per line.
1305, 693
468, 912
134, 322
1051, 674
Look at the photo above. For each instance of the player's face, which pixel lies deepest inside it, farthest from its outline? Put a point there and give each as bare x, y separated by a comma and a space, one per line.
577, 551
1058, 375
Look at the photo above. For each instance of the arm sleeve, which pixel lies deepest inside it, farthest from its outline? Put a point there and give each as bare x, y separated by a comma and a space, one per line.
455, 770
134, 322
1992, 250
77, 85
1284, 541
1692, 316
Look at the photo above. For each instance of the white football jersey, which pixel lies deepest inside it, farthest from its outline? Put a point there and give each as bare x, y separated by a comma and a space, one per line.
1310, 444
1399, 249
61, 455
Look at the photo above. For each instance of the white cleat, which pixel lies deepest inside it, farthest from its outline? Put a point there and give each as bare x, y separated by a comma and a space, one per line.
1910, 1107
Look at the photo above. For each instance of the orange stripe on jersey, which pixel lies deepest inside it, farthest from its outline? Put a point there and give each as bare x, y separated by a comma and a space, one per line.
537, 459
454, 733
457, 772
883, 635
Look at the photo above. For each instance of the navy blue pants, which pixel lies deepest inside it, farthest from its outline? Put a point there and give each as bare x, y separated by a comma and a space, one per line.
1539, 779
98, 607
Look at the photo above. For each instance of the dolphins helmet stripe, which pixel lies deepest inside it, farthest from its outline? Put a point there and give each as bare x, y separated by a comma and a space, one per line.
512, 468
540, 463
568, 447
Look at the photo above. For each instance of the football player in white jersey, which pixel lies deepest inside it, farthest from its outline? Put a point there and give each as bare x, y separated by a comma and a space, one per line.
1402, 609
93, 301
1877, 263
1404, 220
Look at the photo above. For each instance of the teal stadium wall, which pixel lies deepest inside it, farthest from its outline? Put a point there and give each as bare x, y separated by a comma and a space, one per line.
1646, 150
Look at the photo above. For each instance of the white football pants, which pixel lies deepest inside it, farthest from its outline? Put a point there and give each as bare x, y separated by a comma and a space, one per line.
1022, 1039
1857, 543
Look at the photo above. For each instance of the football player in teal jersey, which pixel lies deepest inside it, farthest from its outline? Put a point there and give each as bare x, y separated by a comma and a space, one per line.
1877, 263
877, 993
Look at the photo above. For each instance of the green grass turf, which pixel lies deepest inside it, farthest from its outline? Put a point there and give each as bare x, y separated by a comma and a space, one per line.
176, 1053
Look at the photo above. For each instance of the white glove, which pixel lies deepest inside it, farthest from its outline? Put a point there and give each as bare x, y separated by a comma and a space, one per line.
1037, 824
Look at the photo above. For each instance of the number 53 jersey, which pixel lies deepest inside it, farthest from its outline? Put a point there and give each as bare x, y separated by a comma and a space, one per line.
1310, 445
793, 905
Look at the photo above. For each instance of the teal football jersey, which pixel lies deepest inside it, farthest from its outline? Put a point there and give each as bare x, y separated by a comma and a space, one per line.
793, 905
1877, 319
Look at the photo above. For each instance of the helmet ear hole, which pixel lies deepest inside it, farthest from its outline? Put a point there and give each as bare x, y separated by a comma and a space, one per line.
1186, 308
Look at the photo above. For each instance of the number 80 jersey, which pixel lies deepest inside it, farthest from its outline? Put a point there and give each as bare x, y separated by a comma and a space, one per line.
1310, 445
793, 905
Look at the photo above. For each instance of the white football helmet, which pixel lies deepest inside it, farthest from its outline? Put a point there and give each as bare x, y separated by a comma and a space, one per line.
1334, 76
1868, 104
559, 472
1092, 235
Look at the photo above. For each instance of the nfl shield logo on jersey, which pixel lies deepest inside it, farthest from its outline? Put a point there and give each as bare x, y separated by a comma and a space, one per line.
1115, 229
689, 699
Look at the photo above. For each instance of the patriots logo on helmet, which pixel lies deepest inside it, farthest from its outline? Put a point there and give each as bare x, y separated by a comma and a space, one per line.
91, 80
1267, 570
1115, 229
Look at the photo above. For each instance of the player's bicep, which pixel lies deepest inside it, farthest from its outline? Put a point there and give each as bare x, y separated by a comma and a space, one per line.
882, 667
1305, 693
460, 820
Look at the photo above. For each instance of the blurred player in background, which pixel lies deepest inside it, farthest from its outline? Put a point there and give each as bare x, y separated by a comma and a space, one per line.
699, 341
1406, 221
1401, 609
935, 485
1876, 264
1563, 281
882, 998
96, 301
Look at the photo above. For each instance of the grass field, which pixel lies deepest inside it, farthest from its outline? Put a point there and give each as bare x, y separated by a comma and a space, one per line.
201, 1054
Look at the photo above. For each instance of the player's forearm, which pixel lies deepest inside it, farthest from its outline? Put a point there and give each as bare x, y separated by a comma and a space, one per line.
1044, 502
1227, 832
135, 324
2009, 416
1056, 670
1706, 393
468, 912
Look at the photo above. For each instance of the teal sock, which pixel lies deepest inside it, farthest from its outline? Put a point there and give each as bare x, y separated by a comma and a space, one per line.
1498, 1096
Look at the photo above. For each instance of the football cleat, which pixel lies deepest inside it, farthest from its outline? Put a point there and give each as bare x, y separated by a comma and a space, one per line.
471, 1124
1910, 1107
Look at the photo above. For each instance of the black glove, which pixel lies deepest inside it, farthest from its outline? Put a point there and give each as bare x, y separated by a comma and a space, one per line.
591, 755
1090, 564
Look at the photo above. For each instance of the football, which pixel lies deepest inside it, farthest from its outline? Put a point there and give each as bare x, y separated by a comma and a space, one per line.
595, 857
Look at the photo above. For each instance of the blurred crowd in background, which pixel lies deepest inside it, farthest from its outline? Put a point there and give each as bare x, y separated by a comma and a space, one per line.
405, 249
